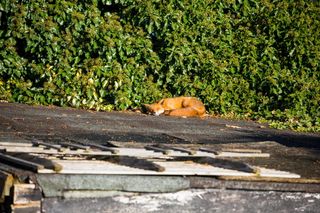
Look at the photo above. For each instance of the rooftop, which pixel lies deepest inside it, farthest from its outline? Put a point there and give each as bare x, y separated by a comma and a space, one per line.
74, 154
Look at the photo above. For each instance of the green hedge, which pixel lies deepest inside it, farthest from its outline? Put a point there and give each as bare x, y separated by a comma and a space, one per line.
256, 59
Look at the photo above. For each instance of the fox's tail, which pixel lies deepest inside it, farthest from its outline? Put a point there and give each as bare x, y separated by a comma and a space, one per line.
185, 112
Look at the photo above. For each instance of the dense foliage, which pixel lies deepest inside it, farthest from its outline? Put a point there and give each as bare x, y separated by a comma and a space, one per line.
255, 59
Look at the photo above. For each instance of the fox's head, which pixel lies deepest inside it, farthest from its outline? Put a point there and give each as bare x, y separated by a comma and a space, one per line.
154, 109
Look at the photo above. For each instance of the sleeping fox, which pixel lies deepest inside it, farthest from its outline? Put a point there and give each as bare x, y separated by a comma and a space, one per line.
179, 106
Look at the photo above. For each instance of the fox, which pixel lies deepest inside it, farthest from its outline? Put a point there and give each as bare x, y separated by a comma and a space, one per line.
178, 106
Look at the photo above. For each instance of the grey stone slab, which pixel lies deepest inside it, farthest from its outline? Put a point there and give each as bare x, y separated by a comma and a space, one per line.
55, 185
209, 200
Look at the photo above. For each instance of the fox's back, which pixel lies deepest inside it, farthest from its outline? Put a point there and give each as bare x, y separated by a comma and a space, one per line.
182, 102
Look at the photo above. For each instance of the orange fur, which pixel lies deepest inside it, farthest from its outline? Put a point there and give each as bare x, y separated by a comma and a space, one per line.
180, 106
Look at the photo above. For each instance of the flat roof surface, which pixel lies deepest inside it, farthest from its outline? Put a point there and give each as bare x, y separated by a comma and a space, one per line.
289, 151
